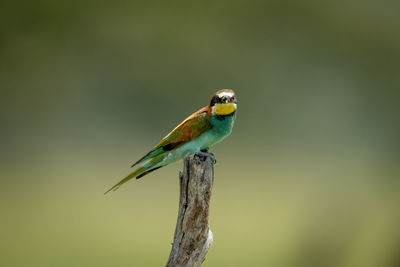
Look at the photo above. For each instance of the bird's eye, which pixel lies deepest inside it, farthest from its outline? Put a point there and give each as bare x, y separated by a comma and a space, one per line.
233, 98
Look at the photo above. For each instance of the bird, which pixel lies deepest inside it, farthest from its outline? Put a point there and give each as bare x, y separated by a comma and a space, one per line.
201, 130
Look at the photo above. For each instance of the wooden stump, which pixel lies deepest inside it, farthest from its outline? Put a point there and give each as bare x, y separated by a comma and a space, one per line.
193, 236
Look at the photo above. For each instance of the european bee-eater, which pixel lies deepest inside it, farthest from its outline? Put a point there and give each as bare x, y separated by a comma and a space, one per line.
195, 134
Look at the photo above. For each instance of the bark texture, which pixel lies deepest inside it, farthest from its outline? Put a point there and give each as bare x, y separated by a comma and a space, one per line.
193, 236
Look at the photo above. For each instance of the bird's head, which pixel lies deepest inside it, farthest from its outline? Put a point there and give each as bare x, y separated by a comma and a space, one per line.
223, 102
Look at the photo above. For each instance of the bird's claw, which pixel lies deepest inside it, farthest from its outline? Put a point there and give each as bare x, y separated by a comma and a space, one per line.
202, 155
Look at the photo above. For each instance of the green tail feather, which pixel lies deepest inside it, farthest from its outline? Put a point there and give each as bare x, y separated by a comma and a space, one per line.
135, 173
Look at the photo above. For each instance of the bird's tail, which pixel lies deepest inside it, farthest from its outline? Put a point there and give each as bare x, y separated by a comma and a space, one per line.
135, 173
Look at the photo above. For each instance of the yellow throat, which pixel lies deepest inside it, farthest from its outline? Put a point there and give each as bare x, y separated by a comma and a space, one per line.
223, 109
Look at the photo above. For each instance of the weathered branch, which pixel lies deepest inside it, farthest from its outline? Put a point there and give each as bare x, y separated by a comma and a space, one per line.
193, 237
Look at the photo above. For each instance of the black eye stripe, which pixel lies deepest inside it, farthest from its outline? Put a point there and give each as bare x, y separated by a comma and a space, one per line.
214, 100
217, 99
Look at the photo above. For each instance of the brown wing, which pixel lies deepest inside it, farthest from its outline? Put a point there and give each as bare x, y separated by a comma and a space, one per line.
189, 129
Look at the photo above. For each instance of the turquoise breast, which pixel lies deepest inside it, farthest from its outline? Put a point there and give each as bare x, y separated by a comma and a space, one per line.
222, 127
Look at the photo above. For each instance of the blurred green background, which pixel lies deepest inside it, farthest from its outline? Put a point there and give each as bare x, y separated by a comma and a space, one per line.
308, 178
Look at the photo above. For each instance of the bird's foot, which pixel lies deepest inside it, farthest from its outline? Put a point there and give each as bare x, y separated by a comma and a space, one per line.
203, 154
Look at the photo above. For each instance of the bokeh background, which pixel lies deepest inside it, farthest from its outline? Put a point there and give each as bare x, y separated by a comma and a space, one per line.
308, 178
